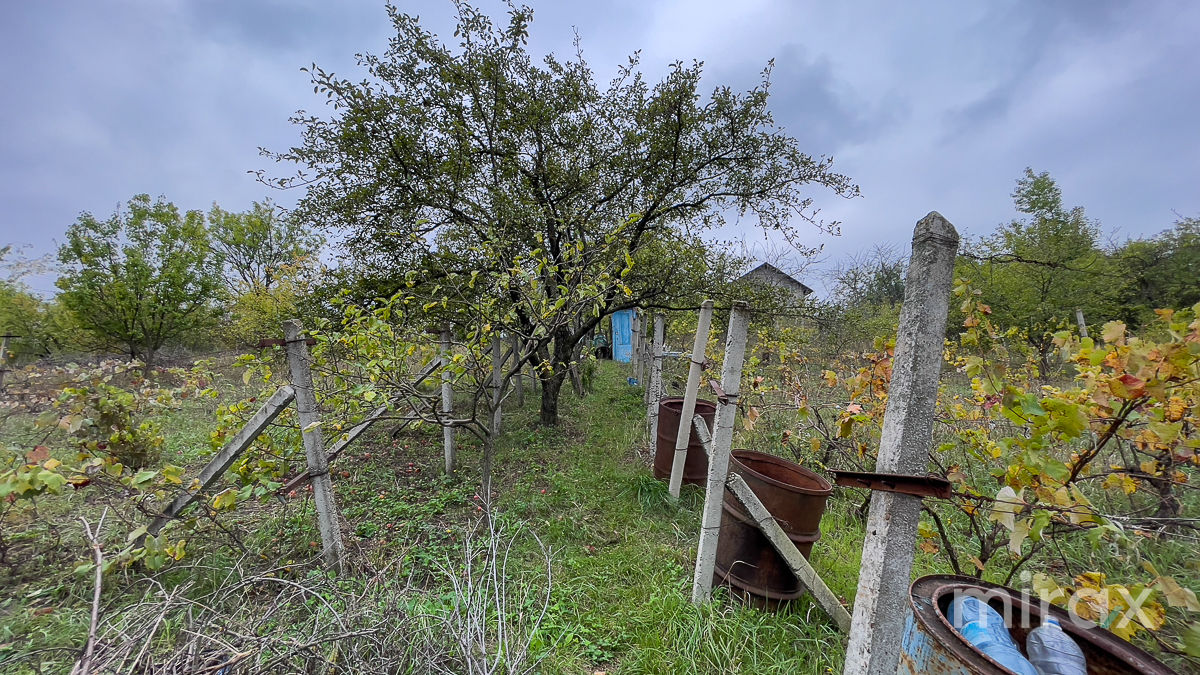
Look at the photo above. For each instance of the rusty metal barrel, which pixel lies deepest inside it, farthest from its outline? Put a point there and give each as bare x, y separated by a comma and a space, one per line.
931, 645
695, 467
796, 498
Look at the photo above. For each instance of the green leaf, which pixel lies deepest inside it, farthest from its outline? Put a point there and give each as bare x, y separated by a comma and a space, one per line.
135, 534
1191, 640
53, 481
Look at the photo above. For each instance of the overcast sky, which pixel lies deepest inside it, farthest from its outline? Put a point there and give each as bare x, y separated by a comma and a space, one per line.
927, 105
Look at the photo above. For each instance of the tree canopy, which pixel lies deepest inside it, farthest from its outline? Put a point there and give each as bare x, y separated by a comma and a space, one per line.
258, 245
533, 181
1036, 271
140, 278
1161, 272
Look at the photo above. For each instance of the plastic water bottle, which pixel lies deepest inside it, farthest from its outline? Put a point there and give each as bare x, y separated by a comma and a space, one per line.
1053, 652
983, 627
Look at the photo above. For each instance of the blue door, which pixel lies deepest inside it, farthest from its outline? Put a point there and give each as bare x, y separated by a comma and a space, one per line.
622, 337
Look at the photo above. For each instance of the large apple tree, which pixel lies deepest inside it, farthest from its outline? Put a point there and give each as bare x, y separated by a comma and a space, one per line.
477, 166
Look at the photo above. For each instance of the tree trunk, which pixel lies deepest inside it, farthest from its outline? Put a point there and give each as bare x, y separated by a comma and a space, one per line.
551, 388
1168, 503
552, 382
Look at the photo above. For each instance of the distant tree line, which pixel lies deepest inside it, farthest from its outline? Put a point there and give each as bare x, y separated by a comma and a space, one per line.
152, 276
1033, 273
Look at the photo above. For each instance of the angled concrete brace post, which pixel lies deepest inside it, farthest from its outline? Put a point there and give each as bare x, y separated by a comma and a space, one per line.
795, 561
314, 447
684, 435
654, 389
881, 604
718, 459
224, 459
778, 538
447, 400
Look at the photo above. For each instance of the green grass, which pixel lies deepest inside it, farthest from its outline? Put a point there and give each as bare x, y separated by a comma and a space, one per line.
621, 549
624, 554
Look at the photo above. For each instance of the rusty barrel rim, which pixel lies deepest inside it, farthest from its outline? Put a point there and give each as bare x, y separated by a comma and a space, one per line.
924, 599
824, 488
675, 405
695, 468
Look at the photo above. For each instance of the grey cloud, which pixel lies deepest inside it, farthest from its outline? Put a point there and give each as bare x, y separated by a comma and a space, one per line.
927, 106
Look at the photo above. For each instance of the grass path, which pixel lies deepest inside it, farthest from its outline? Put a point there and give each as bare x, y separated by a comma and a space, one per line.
624, 554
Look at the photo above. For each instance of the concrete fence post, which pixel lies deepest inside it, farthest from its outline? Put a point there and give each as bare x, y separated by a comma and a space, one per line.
496, 396
881, 603
635, 345
718, 459
447, 401
519, 378
1082, 324
655, 387
3, 358
690, 393
314, 449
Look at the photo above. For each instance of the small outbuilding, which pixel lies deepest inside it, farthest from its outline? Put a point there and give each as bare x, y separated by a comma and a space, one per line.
772, 277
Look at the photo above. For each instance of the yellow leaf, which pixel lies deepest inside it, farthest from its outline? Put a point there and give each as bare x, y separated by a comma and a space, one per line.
1176, 595
1019, 533
1151, 615
750, 418
226, 499
1048, 589
1062, 497
1008, 504
1113, 332
51, 464
1128, 484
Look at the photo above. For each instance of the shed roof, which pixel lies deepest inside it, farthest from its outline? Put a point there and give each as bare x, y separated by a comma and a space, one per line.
770, 274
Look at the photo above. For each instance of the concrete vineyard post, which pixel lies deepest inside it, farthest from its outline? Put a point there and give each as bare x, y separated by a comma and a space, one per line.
224, 459
447, 402
635, 347
718, 459
3, 358
519, 381
314, 450
684, 436
881, 603
655, 386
